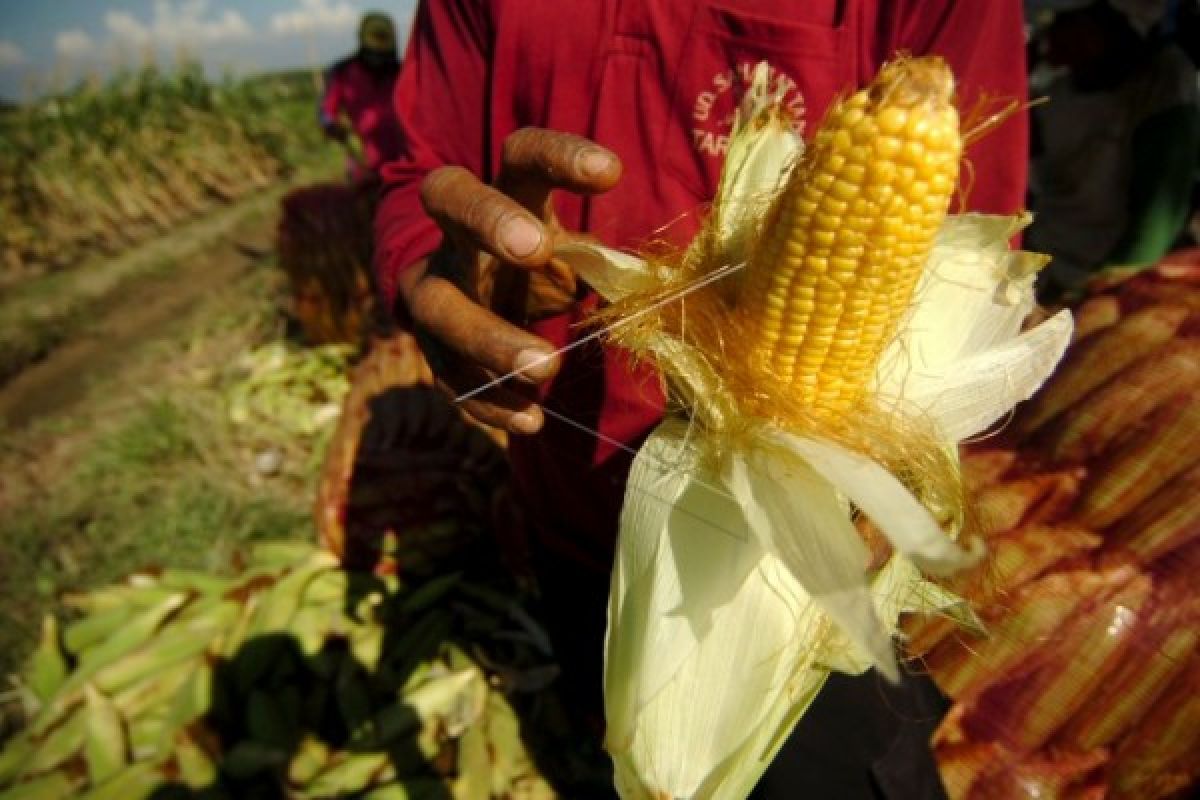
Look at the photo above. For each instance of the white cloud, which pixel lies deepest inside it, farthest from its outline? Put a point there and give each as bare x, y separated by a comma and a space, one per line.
73, 44
315, 16
185, 23
10, 54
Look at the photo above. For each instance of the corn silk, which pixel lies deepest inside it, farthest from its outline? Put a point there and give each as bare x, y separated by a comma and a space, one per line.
740, 579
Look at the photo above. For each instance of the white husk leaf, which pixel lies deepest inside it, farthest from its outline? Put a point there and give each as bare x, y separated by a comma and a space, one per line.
959, 359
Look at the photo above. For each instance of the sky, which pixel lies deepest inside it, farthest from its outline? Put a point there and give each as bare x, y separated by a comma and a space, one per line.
48, 44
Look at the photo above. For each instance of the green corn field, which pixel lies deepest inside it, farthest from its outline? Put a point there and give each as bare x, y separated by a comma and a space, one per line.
102, 167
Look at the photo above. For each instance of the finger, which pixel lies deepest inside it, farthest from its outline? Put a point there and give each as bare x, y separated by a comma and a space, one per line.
536, 160
498, 406
464, 206
479, 336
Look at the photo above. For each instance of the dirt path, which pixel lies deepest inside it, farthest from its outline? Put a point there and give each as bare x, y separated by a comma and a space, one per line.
137, 316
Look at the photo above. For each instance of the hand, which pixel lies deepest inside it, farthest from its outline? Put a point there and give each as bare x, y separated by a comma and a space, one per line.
337, 132
493, 234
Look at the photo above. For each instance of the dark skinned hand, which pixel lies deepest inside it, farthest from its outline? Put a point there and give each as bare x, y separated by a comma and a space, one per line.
497, 238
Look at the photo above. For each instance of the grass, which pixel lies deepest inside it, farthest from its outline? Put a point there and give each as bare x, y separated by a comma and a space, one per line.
145, 477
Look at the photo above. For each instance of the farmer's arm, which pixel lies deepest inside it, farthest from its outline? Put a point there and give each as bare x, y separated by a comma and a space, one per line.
331, 105
435, 197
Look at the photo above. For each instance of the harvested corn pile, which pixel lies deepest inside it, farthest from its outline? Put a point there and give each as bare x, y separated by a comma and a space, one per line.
324, 245
296, 391
293, 678
1088, 682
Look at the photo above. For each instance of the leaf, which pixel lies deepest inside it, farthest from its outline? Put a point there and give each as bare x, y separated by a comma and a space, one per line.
47, 666
104, 745
613, 274
907, 524
683, 550
796, 515
55, 786
698, 610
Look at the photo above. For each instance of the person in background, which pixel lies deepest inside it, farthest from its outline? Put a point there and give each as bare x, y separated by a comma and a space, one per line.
358, 96
1115, 148
625, 108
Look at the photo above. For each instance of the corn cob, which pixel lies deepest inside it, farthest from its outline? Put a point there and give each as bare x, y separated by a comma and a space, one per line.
1035, 613
847, 239
1122, 403
1074, 664
1169, 445
1159, 758
1099, 358
981, 469
1015, 559
1004, 506
1095, 315
1163, 524
1161, 654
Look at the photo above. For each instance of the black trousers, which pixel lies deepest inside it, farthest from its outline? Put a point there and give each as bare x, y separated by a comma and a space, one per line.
862, 739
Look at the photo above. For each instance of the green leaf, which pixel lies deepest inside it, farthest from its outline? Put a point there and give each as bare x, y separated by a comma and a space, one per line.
104, 747
48, 666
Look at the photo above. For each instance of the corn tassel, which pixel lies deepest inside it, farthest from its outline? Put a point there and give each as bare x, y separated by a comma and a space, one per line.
846, 242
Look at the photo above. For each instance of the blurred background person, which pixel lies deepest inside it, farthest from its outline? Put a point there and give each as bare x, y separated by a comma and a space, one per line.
358, 97
1114, 151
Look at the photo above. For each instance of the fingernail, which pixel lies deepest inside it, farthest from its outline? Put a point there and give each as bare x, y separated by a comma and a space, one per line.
595, 163
529, 363
524, 422
521, 237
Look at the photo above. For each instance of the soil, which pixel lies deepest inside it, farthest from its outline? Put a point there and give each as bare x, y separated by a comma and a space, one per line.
135, 317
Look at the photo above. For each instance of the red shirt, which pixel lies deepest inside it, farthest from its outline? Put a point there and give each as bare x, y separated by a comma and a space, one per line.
365, 96
656, 81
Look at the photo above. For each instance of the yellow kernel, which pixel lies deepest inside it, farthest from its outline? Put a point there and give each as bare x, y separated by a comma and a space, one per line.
855, 173
823, 238
918, 126
834, 206
913, 152
843, 190
887, 147
840, 266
892, 120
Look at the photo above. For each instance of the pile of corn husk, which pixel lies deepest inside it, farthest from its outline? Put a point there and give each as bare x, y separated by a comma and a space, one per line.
1087, 681
298, 391
292, 678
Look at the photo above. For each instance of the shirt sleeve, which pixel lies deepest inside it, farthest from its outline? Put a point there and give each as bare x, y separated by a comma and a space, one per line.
984, 43
327, 109
440, 101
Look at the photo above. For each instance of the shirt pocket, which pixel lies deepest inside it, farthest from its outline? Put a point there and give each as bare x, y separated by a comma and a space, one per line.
714, 67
